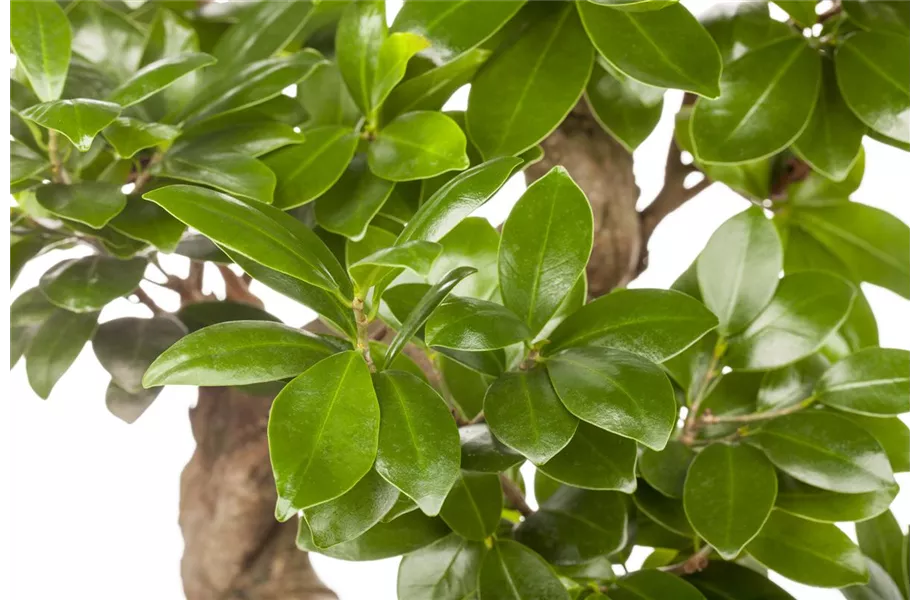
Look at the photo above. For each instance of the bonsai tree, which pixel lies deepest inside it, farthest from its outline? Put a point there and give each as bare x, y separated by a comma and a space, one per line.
728, 422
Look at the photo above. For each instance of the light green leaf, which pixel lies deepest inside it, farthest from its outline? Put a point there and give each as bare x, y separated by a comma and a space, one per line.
445, 570
78, 120
25, 162
88, 284
40, 36
395, 53
361, 33
129, 136
815, 504
881, 586
157, 76
511, 570
351, 514
326, 98
415, 256
253, 138
473, 507
229, 172
874, 381
627, 109
473, 242
596, 460
418, 145
55, 346
92, 203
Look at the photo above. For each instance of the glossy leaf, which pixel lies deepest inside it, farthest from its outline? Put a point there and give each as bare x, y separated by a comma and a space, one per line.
785, 387
481, 451
523, 411
418, 145
652, 583
237, 353
767, 97
511, 570
665, 512
666, 470
815, 504
55, 346
471, 324
230, 172
474, 505
395, 53
892, 433
826, 451
873, 74
253, 138
78, 120
156, 76
620, 392
627, 109
728, 495
882, 541
88, 284
326, 98
348, 207
415, 256
419, 448
305, 171
25, 162
473, 242
125, 347
431, 89
739, 27
361, 32
876, 15
596, 460
445, 570
739, 268
881, 586
731, 581
92, 203
875, 381
806, 309
656, 324
199, 315
522, 94
351, 514
129, 136
665, 48
147, 222
40, 36
816, 554
322, 431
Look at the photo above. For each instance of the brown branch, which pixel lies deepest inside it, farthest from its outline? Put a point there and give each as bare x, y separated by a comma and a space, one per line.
149, 302
144, 176
58, 172
515, 498
711, 419
237, 288
673, 194
693, 564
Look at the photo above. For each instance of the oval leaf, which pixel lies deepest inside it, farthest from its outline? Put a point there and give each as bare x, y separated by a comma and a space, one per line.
511, 570
78, 120
474, 505
88, 284
92, 203
126, 347
595, 460
445, 570
471, 324
40, 37
418, 145
874, 381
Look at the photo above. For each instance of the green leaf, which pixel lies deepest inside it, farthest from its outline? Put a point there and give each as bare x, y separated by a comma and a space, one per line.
728, 496
87, 284
348, 516
481, 451
522, 94
739, 268
666, 470
230, 172
574, 526
666, 48
445, 570
395, 53
807, 308
826, 451
873, 244
454, 27
361, 33
544, 248
253, 138
130, 136
473, 507
892, 433
665, 512
790, 385
199, 315
731, 581
147, 222
738, 27
415, 256
523, 411
882, 540
237, 353
651, 583
473, 242
78, 120
423, 309
767, 97
419, 447
816, 554
326, 98
55, 346
627, 109
471, 324
815, 504
261, 233
305, 171
92, 203
322, 432
107, 38
874, 381
418, 145
873, 71
402, 535
40, 36
596, 460
126, 405
619, 392
881, 586
25, 162
349, 206
23, 250
875, 15
802, 11
459, 197
125, 347
816, 190
511, 570
831, 141
157, 76
656, 324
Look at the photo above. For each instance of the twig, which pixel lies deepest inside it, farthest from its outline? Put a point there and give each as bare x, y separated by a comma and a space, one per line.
673, 193
695, 563
710, 419
237, 288
149, 302
144, 176
515, 498
712, 371
361, 343
58, 172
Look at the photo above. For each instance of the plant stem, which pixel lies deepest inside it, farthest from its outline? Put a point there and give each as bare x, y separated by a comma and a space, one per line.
58, 172
515, 498
695, 562
361, 343
144, 176
691, 425
709, 419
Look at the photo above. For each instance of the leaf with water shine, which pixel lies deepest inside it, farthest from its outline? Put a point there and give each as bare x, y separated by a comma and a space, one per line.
78, 120
471, 324
418, 145
874, 381
230, 172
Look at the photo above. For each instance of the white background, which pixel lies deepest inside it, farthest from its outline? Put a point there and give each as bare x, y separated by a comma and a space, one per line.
90, 503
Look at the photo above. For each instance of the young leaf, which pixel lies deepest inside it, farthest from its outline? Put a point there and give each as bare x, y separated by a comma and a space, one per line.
78, 120
596, 460
349, 206
511, 570
874, 381
230, 172
473, 242
40, 37
92, 203
481, 451
305, 171
826, 451
125, 347
767, 97
395, 53
54, 347
652, 583
419, 447
627, 109
322, 431
816, 554
156, 76
545, 245
523, 93
445, 570
882, 541
470, 324
237, 353
666, 470
666, 48
88, 284
129, 136
351, 514
728, 496
418, 145
617, 391
361, 33
819, 505
473, 507
523, 411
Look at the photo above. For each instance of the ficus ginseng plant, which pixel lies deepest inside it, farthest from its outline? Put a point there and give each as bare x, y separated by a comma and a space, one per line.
729, 422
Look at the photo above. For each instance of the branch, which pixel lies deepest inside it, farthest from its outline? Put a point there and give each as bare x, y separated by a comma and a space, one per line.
58, 172
237, 288
710, 419
693, 564
712, 371
673, 193
515, 498
149, 302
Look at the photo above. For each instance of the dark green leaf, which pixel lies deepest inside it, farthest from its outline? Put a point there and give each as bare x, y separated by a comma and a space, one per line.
157, 76
88, 284
54, 347
349, 206
665, 512
596, 460
199, 315
125, 347
627, 109
92, 203
474, 505
78, 120
348, 516
651, 583
826, 451
523, 411
418, 145
788, 386
481, 451
419, 448
665, 48
322, 432
767, 97
40, 37
816, 190
511, 570
882, 541
734, 394
738, 27
129, 406
522, 94
230, 172
473, 242
731, 581
23, 250
130, 136
815, 504
415, 256
471, 324
816, 554
666, 470
874, 381
445, 570
147, 222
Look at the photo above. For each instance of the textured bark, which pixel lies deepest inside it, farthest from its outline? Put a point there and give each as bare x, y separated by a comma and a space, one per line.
234, 547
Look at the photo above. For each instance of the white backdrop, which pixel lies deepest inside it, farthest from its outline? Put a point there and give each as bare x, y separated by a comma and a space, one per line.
92, 502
